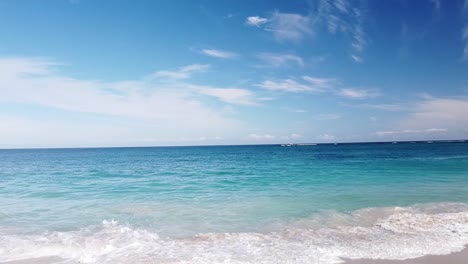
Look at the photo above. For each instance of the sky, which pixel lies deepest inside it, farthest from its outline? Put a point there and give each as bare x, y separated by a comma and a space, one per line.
86, 73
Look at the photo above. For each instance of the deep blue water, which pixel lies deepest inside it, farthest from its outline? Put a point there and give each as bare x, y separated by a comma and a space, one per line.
179, 192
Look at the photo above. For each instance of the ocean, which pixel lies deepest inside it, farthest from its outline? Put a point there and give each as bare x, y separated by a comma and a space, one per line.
233, 204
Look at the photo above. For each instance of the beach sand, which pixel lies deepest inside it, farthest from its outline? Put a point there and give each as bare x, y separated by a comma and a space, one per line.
454, 258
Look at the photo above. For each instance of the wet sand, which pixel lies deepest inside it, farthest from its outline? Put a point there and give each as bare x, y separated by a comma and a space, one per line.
454, 258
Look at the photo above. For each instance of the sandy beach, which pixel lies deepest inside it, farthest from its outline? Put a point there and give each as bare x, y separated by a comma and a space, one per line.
454, 258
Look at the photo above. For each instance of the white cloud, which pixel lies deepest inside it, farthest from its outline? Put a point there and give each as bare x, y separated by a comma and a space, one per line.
340, 16
141, 106
284, 26
357, 93
295, 136
436, 130
385, 107
320, 83
256, 21
311, 84
219, 53
430, 117
342, 6
292, 137
331, 116
326, 137
228, 95
261, 136
286, 86
410, 131
295, 110
293, 27
356, 58
183, 73
385, 133
265, 98
450, 113
280, 59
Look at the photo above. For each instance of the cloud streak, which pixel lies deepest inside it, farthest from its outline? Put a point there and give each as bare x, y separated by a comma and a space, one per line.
341, 16
310, 84
227, 95
465, 39
409, 131
284, 26
222, 54
316, 84
278, 60
183, 72
357, 93
159, 108
337, 16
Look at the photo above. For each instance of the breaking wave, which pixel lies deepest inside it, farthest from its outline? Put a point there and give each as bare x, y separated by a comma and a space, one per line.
379, 233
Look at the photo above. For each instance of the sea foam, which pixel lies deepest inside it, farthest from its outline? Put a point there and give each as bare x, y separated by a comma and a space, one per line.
379, 233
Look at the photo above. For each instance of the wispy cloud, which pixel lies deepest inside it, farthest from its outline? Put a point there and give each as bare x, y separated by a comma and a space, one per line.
356, 58
284, 26
357, 93
295, 136
385, 107
331, 116
295, 110
428, 117
310, 84
409, 131
292, 137
293, 27
321, 83
280, 60
219, 53
227, 95
287, 85
315, 84
338, 16
341, 16
175, 107
436, 4
439, 112
182, 73
326, 137
261, 136
465, 39
464, 34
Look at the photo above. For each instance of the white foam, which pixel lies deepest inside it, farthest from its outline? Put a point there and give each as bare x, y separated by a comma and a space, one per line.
385, 233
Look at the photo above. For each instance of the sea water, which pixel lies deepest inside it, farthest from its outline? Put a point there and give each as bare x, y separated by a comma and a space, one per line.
233, 204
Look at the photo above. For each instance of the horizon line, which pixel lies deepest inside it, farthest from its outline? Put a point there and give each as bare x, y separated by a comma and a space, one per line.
303, 144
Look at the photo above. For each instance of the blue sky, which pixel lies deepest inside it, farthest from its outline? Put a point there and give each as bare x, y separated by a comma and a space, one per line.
140, 73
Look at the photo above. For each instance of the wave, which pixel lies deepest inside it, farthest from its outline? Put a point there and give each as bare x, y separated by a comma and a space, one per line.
379, 233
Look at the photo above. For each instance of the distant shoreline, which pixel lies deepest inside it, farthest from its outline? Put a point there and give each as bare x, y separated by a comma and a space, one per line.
240, 145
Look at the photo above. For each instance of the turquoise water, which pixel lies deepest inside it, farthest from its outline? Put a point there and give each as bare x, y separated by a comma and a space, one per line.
233, 204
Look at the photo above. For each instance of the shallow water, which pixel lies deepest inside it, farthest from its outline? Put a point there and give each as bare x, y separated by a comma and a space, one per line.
233, 204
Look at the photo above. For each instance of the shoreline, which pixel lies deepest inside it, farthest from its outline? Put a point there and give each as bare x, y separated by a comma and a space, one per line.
460, 257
